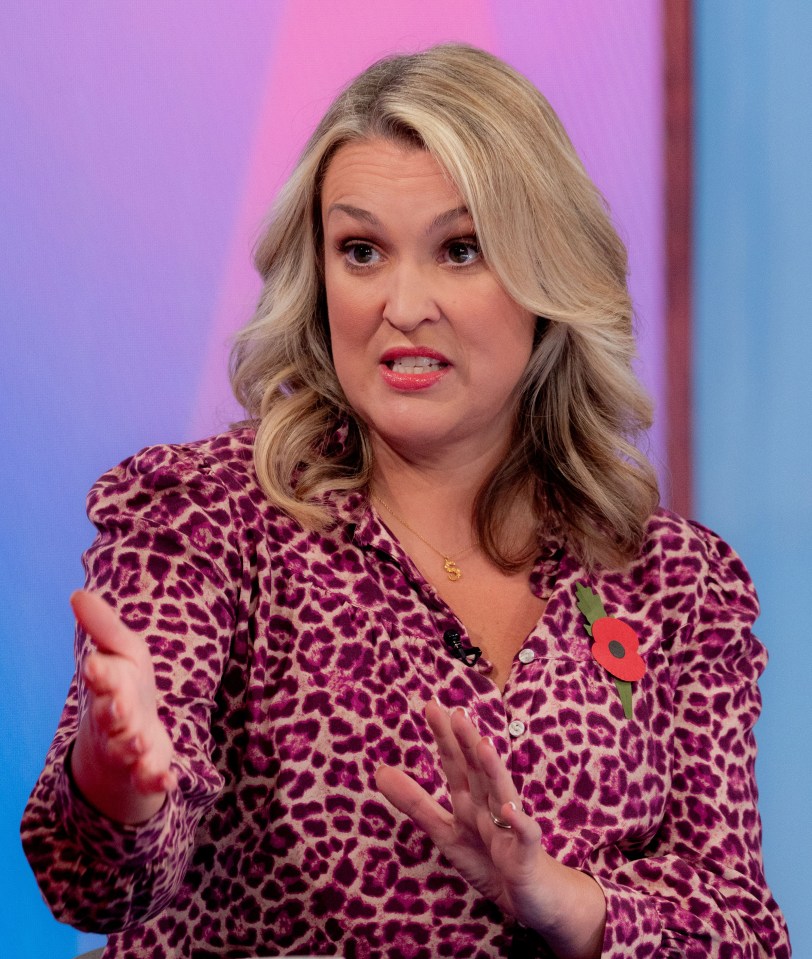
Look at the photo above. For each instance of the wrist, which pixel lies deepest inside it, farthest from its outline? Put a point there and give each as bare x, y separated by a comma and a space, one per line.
570, 914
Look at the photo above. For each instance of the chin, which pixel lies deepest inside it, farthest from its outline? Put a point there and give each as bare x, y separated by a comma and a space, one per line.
411, 439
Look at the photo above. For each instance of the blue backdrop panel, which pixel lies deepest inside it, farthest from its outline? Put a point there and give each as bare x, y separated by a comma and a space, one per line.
753, 271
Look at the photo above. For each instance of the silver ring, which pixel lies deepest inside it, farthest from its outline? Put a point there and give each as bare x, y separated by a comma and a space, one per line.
500, 822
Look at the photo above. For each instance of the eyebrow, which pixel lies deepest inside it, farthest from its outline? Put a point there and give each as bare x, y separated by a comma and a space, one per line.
364, 216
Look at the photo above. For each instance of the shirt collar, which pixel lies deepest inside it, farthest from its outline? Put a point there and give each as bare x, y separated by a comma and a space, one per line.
354, 513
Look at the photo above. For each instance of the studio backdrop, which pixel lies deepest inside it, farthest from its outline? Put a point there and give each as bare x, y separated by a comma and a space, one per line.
141, 145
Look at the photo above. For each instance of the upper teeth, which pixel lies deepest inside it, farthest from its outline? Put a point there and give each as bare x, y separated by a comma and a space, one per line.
416, 364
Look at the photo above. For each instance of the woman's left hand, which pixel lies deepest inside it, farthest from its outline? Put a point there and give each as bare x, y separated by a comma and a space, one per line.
506, 863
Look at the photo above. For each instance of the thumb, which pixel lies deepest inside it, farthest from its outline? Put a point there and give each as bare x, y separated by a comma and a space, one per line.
102, 623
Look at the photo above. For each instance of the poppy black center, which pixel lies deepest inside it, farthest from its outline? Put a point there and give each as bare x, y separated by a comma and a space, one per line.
616, 649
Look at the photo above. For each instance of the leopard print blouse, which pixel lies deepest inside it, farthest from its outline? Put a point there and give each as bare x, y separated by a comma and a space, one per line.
291, 664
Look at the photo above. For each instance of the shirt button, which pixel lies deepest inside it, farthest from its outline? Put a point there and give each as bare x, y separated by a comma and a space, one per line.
516, 728
526, 656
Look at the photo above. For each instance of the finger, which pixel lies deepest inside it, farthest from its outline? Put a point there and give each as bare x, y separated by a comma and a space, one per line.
114, 707
110, 680
525, 829
100, 673
101, 622
468, 738
490, 784
107, 716
524, 834
148, 762
132, 748
413, 801
504, 801
124, 751
166, 782
495, 777
149, 776
451, 759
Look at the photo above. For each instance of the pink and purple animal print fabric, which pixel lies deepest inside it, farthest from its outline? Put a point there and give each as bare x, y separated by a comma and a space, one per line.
291, 664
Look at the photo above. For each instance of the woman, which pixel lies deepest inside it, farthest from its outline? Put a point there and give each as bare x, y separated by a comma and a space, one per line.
405, 560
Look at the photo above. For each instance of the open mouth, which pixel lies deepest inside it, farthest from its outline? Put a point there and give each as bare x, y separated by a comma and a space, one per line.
415, 364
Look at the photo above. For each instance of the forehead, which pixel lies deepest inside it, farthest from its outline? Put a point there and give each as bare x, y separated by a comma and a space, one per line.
375, 172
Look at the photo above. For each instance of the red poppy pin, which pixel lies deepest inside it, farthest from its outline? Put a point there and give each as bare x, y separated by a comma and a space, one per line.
614, 646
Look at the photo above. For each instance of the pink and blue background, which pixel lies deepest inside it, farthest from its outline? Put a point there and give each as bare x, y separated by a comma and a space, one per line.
140, 146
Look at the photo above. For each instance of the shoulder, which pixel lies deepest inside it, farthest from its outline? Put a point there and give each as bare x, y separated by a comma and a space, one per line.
218, 462
231, 451
197, 491
691, 599
692, 557
707, 601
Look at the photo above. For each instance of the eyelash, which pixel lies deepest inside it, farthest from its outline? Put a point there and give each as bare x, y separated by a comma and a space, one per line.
345, 247
469, 241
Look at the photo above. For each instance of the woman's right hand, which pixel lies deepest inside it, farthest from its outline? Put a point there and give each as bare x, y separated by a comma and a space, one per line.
122, 755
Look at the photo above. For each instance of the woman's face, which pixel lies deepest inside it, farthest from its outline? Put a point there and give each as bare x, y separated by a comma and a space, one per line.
427, 345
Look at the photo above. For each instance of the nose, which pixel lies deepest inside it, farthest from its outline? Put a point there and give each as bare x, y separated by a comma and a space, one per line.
410, 298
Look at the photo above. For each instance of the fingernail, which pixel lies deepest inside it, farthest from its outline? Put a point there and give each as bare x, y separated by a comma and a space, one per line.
437, 700
512, 805
489, 741
464, 711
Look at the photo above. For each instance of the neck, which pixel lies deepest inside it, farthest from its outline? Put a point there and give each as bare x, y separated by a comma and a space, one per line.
438, 495
436, 502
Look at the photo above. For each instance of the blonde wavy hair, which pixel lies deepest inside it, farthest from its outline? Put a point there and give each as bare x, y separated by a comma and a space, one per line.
544, 230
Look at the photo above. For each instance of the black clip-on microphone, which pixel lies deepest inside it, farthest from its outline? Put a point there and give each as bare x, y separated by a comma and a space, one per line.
468, 654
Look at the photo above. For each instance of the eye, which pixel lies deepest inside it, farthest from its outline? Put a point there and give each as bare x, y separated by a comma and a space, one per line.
462, 252
358, 253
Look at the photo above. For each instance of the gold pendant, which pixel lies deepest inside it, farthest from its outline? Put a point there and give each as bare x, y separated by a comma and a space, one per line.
451, 569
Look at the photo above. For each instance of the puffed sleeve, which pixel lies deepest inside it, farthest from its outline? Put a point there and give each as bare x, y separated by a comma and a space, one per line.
164, 558
699, 890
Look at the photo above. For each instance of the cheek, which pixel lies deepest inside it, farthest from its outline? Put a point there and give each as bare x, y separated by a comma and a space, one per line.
340, 326
334, 297
348, 312
349, 335
346, 366
510, 332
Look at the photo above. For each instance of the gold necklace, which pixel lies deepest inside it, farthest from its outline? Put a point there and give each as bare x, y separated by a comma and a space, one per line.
452, 570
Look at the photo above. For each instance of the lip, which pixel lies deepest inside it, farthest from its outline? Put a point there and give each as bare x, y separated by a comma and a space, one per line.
410, 382
399, 352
